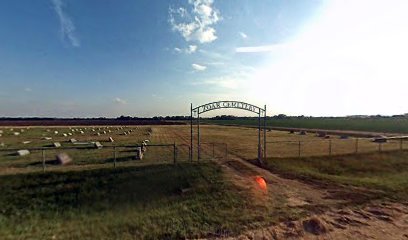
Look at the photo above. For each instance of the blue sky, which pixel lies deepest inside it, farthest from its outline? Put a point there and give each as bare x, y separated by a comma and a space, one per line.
91, 58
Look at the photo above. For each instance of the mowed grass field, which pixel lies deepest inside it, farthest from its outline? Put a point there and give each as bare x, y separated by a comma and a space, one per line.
385, 172
380, 125
156, 199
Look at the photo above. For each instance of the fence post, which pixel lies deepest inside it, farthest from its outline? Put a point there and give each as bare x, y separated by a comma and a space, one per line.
299, 149
226, 152
330, 147
189, 153
114, 156
356, 145
213, 151
174, 153
43, 159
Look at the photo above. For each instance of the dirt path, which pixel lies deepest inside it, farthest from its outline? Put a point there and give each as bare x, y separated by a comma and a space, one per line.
332, 213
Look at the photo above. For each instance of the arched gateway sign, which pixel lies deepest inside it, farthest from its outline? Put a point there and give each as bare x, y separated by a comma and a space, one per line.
229, 104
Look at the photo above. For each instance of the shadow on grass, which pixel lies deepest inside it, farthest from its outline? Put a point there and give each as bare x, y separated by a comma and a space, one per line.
95, 190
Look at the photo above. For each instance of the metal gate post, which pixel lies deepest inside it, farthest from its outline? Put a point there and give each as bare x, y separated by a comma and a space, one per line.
259, 137
265, 133
198, 136
191, 133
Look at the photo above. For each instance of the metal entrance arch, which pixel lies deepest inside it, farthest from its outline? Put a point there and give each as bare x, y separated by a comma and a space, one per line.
229, 104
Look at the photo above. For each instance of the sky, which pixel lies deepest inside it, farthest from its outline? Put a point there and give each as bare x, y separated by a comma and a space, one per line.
92, 58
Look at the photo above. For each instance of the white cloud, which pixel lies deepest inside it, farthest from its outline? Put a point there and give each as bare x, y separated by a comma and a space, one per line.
198, 67
192, 49
264, 48
67, 27
197, 24
119, 101
243, 35
189, 50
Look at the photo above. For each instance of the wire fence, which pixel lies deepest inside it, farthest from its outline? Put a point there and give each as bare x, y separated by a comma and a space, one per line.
45, 158
328, 147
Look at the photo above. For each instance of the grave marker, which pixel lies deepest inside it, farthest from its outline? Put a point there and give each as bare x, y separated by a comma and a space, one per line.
23, 152
63, 159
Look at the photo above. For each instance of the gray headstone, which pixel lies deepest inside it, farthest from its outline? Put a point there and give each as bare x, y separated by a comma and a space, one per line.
139, 153
111, 139
55, 132
47, 138
57, 144
2, 144
63, 158
73, 140
26, 142
23, 152
1, 131
16, 133
70, 134
64, 134
98, 145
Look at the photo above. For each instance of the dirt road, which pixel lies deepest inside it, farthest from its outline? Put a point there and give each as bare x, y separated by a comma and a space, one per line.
331, 212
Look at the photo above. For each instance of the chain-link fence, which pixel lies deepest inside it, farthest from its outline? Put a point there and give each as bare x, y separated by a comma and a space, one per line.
327, 147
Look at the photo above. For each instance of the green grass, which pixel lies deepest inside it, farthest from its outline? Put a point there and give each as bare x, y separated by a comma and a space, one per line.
126, 203
391, 125
386, 172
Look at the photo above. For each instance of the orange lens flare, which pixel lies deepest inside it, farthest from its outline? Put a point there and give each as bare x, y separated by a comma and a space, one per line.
261, 182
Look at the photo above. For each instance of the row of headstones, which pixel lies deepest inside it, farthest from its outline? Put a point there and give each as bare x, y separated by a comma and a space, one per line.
15, 133
73, 130
97, 145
